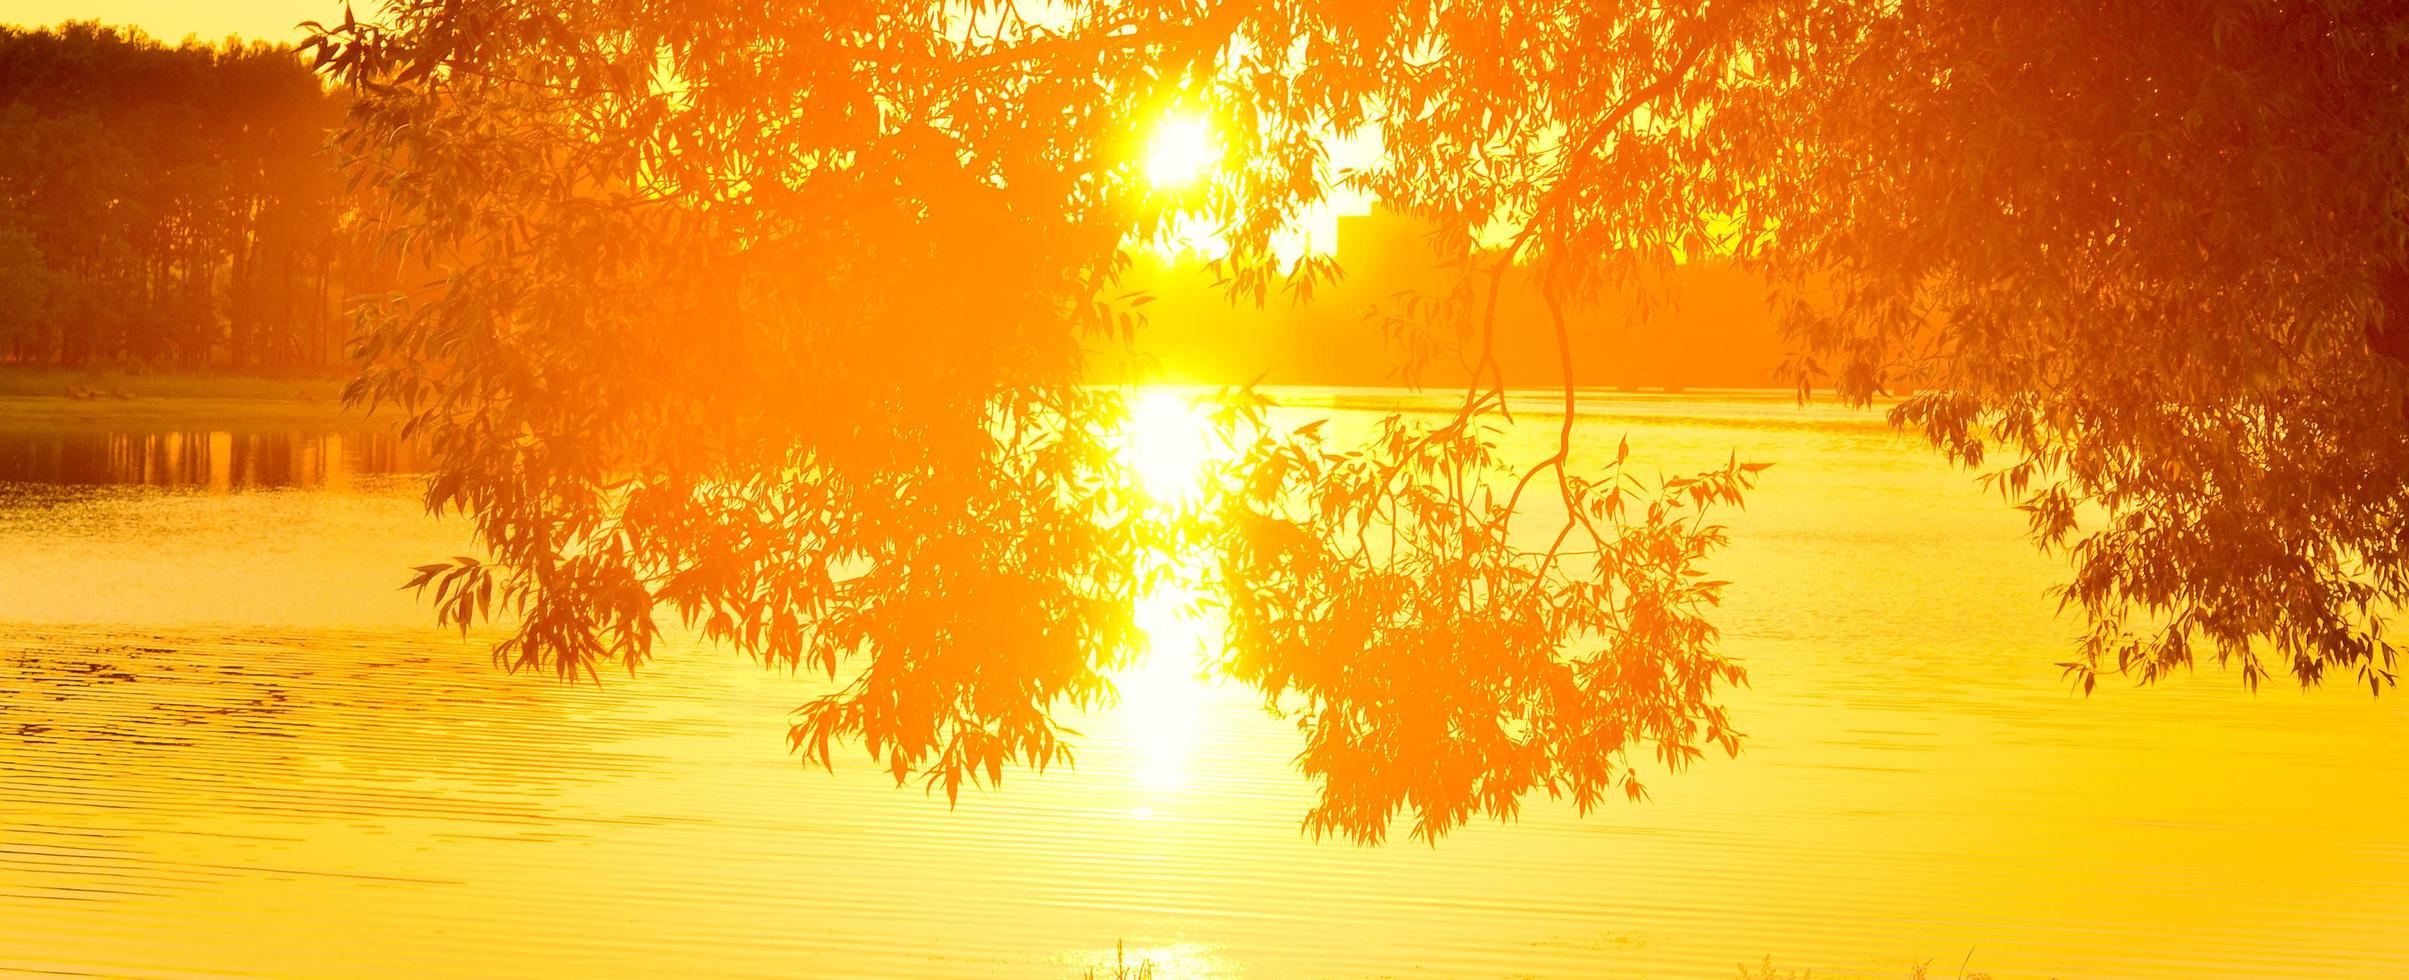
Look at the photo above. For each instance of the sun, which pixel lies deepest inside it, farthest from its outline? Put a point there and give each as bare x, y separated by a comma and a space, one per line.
1181, 150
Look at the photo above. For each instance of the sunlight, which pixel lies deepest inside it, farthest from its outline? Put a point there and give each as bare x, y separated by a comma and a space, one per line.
1181, 150
1162, 694
1166, 444
1167, 490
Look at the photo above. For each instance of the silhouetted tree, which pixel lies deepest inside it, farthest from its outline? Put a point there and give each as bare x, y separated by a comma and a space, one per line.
771, 316
2147, 254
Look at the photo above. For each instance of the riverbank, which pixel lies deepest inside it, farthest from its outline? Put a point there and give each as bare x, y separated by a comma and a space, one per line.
64, 398
110, 384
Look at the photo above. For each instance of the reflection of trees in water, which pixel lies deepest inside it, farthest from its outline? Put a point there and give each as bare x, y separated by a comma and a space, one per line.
198, 458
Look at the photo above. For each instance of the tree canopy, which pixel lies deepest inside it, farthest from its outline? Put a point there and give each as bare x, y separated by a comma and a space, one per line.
772, 317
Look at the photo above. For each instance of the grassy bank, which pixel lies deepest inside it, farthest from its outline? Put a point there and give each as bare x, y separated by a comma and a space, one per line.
113, 385
44, 398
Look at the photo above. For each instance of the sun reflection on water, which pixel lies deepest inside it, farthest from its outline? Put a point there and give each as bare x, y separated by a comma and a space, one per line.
1163, 693
1167, 445
1166, 442
1165, 961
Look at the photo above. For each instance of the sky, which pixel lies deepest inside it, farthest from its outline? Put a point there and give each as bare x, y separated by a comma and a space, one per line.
173, 20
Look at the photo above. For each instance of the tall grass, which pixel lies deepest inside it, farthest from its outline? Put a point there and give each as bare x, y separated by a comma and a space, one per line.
1122, 969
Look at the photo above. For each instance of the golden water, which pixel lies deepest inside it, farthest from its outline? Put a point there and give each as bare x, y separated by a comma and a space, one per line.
228, 745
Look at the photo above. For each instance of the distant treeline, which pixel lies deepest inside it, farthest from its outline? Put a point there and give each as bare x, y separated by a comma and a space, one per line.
1699, 325
169, 207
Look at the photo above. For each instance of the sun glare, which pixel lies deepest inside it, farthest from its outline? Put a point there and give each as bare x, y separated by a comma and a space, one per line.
1166, 444
1162, 694
1181, 151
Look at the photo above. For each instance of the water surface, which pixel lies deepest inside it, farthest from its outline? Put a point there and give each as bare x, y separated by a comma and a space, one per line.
229, 745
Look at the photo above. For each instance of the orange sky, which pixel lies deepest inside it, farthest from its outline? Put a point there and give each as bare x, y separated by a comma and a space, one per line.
172, 20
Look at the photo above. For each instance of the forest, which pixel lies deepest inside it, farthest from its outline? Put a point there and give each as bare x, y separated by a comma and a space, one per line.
167, 207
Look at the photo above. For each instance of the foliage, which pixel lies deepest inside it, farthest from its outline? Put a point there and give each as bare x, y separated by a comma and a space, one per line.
2156, 252
163, 205
748, 336
2150, 255
27, 286
1435, 666
773, 318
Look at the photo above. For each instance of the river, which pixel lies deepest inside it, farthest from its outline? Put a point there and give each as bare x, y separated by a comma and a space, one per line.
230, 745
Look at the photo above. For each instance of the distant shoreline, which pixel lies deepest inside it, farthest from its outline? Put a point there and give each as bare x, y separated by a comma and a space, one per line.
41, 397
103, 384
32, 397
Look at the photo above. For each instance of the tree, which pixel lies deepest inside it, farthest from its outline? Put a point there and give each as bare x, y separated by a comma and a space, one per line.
183, 198
2153, 252
773, 318
26, 284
